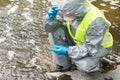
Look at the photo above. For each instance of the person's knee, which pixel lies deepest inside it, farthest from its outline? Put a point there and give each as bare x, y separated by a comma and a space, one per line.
84, 69
88, 68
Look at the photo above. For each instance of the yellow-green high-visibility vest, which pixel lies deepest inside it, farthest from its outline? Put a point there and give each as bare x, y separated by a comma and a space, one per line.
80, 35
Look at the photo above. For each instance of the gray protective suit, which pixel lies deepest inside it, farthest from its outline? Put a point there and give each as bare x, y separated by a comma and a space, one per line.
86, 56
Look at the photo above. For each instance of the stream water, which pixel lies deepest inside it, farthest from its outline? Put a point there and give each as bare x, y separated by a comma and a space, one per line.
23, 55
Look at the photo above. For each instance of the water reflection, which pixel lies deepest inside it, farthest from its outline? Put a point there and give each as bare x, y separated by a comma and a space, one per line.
111, 9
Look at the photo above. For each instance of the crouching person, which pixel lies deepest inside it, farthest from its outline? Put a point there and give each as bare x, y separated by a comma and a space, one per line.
79, 31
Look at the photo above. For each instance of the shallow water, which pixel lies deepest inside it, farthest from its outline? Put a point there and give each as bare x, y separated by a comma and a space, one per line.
23, 38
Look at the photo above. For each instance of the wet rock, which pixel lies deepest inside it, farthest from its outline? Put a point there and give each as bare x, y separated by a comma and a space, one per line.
64, 77
109, 78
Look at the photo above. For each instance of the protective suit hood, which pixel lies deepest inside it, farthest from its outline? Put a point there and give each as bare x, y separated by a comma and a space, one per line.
77, 8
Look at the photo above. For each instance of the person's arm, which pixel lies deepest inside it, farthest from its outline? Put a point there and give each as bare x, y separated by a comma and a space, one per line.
92, 46
50, 25
53, 19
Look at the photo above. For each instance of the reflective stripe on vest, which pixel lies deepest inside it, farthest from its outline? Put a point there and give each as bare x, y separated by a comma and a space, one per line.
80, 35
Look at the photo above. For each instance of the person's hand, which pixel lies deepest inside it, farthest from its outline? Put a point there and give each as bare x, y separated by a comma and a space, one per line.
53, 11
59, 49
